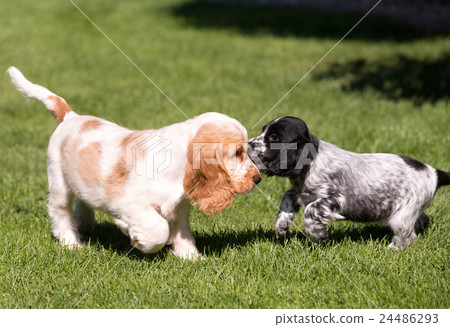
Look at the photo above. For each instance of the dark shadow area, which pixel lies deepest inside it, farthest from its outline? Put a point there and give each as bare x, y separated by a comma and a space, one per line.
360, 233
215, 243
109, 236
294, 21
402, 77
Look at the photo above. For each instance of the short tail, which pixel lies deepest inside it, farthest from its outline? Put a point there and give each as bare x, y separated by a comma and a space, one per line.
443, 178
57, 105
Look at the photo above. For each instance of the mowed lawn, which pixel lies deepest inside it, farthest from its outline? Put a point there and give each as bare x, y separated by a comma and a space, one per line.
385, 88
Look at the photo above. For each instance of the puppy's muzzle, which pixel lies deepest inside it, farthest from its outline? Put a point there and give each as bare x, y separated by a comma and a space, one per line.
253, 149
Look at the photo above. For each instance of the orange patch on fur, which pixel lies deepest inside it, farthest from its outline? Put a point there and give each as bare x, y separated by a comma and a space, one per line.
90, 125
60, 108
81, 164
115, 182
88, 163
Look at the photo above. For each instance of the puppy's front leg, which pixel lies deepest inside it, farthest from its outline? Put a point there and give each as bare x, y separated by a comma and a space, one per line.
181, 238
288, 208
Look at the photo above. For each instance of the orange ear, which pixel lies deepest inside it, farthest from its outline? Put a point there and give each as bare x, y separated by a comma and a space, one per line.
206, 179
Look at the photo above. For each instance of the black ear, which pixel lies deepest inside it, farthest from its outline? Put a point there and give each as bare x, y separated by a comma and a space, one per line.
293, 158
307, 147
300, 129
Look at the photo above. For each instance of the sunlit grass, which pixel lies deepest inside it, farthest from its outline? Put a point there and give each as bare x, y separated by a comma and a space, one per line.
240, 68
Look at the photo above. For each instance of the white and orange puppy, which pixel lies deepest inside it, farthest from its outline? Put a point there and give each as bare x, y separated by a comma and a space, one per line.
144, 179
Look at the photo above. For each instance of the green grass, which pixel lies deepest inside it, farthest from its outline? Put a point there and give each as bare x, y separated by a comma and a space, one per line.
384, 89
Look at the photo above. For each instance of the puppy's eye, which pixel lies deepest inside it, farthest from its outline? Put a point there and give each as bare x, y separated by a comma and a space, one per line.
273, 138
240, 154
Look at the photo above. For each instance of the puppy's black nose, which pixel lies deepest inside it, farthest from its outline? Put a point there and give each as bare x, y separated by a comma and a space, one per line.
256, 180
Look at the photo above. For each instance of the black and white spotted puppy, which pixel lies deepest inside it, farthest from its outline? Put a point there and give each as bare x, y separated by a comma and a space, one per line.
334, 184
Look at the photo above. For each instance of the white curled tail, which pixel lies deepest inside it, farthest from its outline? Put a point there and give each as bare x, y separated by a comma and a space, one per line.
57, 105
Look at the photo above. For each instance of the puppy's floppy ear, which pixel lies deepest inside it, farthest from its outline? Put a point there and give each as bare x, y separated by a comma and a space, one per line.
298, 160
206, 179
303, 156
302, 135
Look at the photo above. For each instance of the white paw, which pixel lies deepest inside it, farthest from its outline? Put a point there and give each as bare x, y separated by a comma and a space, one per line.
191, 254
71, 243
282, 226
392, 246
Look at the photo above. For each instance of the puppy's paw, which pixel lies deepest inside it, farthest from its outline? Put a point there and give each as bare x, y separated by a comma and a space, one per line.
75, 246
282, 227
192, 256
316, 238
71, 242
392, 246
187, 252
316, 232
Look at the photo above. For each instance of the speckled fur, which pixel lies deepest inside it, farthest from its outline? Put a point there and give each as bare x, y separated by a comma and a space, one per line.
385, 188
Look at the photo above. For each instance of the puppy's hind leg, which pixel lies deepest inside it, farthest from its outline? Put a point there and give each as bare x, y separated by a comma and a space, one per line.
85, 217
404, 226
288, 208
64, 223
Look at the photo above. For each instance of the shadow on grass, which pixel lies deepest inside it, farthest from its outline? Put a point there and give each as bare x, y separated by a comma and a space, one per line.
419, 80
216, 243
109, 236
286, 21
360, 234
